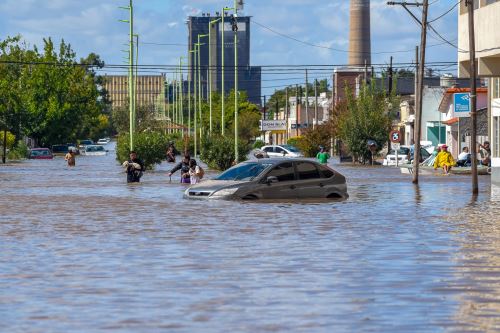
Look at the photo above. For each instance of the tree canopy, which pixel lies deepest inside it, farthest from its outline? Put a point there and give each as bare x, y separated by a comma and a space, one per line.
50, 96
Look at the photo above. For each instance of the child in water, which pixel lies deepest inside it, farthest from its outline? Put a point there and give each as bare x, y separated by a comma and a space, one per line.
194, 172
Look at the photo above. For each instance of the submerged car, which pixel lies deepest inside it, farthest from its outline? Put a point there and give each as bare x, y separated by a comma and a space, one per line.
94, 150
60, 149
103, 141
404, 156
84, 143
281, 151
41, 154
273, 178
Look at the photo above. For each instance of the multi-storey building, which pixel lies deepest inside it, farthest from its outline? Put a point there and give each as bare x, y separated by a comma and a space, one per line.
249, 77
150, 90
487, 42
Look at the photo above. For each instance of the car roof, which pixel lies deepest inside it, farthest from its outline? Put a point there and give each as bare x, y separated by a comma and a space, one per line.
279, 160
40, 149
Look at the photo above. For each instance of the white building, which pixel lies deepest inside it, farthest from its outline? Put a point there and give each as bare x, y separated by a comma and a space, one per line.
487, 38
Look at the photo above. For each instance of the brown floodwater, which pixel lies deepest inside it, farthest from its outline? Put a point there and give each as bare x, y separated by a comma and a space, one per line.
82, 251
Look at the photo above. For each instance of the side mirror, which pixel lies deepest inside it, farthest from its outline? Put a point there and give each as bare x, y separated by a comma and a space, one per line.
271, 179
284, 153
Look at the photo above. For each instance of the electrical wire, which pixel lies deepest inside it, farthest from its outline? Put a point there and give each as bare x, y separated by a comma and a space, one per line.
445, 13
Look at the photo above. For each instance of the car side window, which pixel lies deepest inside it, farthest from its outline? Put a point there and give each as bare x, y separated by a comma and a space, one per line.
326, 173
284, 172
268, 149
279, 150
307, 170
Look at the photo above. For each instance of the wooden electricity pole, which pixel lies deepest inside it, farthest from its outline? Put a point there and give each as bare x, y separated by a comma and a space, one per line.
418, 115
420, 87
473, 96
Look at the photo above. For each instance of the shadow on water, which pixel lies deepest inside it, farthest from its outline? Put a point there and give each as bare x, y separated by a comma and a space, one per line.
82, 251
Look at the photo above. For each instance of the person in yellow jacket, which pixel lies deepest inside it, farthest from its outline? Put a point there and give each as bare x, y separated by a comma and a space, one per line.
444, 160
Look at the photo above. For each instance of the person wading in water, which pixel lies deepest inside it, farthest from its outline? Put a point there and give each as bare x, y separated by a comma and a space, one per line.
184, 167
70, 158
134, 168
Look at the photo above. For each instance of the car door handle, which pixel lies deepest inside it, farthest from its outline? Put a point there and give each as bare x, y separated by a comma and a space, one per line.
292, 187
321, 185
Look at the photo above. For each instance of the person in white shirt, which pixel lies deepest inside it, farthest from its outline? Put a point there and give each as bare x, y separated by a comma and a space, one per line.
463, 157
194, 172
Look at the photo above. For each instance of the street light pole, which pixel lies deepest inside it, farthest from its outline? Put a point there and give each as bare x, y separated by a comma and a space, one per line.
210, 67
196, 50
191, 72
235, 30
130, 8
199, 84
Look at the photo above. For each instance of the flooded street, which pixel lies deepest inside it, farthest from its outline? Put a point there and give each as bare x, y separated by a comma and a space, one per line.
82, 251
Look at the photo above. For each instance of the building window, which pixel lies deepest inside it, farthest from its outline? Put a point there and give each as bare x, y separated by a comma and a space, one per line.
496, 87
496, 137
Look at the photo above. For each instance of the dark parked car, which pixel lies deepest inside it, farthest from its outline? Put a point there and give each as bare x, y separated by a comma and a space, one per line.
60, 149
84, 143
273, 178
41, 154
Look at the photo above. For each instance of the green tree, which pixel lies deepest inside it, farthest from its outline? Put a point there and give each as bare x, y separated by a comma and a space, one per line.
48, 95
368, 117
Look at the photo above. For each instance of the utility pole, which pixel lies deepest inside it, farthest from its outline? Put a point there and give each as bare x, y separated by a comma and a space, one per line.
389, 76
286, 114
307, 100
315, 123
418, 118
296, 110
418, 97
473, 95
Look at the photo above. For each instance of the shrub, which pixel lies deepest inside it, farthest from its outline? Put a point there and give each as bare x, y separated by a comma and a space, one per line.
258, 144
21, 151
150, 147
218, 152
312, 139
293, 141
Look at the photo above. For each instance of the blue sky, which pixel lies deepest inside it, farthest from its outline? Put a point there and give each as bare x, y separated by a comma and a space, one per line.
93, 26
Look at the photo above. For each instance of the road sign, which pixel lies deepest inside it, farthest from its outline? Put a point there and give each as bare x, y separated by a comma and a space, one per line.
395, 136
395, 145
273, 125
461, 105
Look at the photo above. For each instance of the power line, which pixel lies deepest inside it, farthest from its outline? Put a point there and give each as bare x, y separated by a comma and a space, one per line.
331, 48
446, 13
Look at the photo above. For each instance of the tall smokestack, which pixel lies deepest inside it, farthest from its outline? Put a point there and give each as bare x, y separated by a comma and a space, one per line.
359, 33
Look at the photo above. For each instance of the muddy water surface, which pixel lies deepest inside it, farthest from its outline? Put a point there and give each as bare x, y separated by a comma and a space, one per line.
82, 251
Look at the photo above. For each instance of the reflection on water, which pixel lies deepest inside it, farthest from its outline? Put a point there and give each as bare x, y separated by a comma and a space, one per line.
82, 251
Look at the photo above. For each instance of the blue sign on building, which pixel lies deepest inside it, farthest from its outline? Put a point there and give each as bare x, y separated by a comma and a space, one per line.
461, 104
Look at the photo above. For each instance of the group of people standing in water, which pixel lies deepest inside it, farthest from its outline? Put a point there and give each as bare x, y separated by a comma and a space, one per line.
191, 172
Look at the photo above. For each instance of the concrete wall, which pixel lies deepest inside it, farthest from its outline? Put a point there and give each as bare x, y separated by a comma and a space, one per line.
486, 21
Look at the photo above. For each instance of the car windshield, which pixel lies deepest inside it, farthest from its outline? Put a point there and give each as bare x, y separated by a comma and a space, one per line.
291, 148
245, 171
401, 151
95, 148
39, 153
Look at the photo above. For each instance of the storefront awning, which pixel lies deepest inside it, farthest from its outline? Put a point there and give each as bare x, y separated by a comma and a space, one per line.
451, 121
